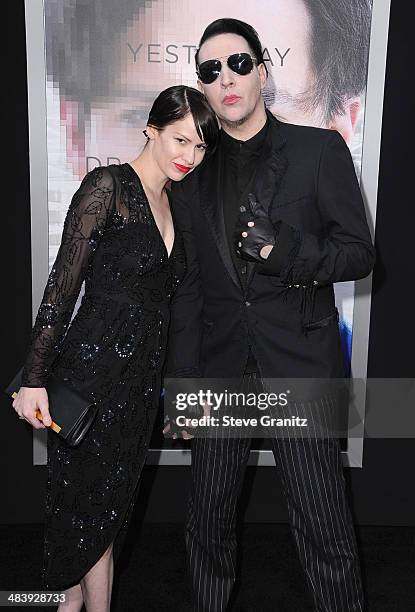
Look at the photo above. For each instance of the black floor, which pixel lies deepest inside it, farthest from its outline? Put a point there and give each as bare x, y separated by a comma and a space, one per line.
151, 576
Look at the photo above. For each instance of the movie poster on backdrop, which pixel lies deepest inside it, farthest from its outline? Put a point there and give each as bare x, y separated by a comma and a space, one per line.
105, 63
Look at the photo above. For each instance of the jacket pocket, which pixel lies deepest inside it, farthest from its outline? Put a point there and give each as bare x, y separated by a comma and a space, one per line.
332, 318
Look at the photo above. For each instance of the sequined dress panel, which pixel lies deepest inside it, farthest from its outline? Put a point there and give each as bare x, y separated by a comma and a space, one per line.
112, 352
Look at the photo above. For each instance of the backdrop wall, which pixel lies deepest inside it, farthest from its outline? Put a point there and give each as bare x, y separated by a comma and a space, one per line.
93, 73
380, 490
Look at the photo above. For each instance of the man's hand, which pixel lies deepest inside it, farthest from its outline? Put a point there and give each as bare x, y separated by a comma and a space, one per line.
254, 233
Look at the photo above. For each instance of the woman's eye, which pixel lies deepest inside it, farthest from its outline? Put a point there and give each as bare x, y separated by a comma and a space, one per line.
181, 140
202, 147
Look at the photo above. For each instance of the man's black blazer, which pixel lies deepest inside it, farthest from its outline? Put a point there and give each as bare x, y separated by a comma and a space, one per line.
307, 183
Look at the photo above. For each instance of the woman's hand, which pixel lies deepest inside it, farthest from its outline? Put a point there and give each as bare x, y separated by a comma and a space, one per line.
175, 432
168, 429
28, 401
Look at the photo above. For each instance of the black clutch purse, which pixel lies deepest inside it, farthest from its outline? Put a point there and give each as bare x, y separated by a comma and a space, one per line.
72, 415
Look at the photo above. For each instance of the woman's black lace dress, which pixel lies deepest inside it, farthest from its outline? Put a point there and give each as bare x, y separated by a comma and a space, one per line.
112, 352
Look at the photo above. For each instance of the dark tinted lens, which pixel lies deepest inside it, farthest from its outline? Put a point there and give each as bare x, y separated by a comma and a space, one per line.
209, 71
241, 63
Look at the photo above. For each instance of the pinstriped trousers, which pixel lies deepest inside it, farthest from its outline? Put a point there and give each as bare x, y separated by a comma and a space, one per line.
314, 487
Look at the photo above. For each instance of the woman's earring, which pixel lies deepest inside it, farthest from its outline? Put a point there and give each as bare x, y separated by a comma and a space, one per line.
145, 134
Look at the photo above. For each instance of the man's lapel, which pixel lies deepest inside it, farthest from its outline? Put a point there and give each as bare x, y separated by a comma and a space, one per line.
211, 194
273, 164
270, 173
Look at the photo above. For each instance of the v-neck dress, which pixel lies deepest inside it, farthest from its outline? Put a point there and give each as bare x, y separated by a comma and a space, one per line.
113, 353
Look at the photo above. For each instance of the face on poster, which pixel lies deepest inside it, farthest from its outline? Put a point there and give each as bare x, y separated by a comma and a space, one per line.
106, 64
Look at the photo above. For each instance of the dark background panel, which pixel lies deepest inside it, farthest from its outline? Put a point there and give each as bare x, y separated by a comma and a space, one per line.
381, 493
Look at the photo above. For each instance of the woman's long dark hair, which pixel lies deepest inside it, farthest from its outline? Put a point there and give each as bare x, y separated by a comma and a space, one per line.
176, 102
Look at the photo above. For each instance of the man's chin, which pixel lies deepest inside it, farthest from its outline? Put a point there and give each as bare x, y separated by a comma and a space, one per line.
234, 120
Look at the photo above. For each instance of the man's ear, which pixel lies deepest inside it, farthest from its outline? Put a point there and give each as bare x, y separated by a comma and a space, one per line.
262, 75
345, 123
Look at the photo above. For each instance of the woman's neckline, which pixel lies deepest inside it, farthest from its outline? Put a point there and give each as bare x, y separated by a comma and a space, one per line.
151, 211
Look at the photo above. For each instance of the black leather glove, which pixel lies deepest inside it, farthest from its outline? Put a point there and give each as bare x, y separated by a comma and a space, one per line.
261, 234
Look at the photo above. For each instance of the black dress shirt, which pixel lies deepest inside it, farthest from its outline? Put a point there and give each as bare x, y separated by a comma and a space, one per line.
240, 163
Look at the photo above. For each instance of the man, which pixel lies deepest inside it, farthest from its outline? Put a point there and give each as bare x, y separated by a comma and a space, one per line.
270, 222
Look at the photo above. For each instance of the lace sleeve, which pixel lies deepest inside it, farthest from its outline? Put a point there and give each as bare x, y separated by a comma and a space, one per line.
83, 227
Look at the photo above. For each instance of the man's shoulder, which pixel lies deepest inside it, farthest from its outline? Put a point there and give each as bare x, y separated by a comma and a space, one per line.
187, 186
303, 134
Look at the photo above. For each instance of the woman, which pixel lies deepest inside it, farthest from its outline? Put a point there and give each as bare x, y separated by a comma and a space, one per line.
120, 238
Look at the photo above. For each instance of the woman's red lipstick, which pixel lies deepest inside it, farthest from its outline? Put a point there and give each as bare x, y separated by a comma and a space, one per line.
181, 168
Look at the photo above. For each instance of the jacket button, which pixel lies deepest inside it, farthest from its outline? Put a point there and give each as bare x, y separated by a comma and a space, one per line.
242, 208
247, 304
243, 270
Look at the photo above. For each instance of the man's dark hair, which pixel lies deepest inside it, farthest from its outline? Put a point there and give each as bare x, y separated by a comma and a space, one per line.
339, 51
175, 103
233, 26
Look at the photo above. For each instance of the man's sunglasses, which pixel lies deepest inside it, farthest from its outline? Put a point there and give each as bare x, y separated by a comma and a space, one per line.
240, 63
